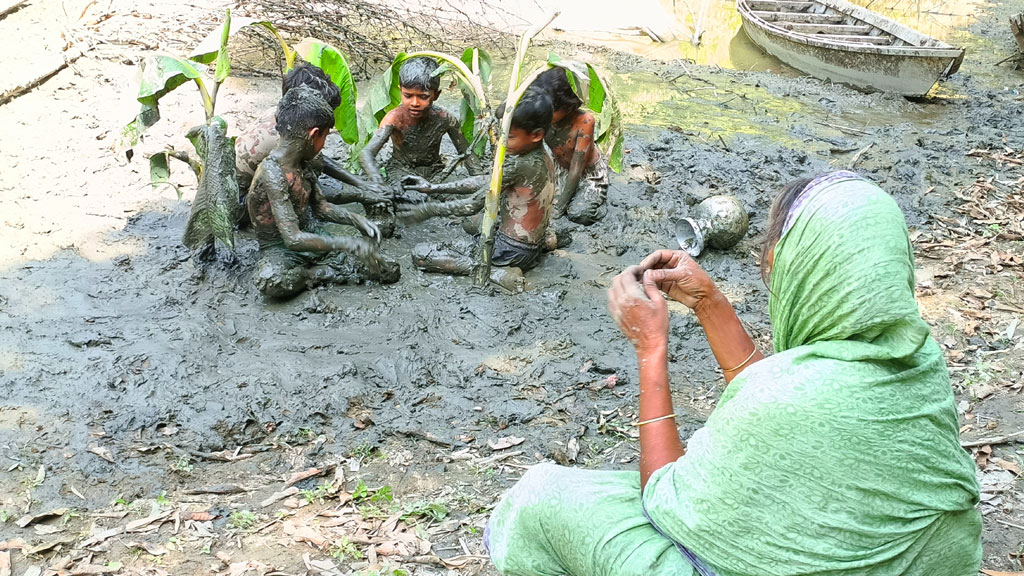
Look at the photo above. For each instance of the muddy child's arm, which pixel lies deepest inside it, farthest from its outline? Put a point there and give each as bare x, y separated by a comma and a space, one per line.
461, 207
368, 158
467, 185
273, 182
329, 212
358, 190
584, 135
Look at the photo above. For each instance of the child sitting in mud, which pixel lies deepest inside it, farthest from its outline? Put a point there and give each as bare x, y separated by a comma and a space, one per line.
528, 190
286, 206
416, 128
582, 172
254, 144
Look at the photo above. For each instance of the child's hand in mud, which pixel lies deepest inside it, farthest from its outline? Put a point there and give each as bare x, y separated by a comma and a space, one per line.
378, 192
413, 213
638, 308
676, 274
369, 229
417, 184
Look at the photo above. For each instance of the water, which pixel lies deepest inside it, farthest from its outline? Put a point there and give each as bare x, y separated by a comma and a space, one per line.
723, 43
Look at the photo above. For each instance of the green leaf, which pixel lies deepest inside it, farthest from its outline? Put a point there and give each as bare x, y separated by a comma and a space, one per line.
482, 66
159, 171
208, 50
161, 74
385, 94
333, 62
223, 61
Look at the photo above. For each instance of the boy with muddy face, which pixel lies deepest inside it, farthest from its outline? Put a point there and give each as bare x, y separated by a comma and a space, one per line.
416, 128
582, 173
527, 193
286, 207
254, 144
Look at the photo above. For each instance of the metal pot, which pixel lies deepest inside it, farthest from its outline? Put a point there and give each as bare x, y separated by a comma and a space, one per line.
718, 221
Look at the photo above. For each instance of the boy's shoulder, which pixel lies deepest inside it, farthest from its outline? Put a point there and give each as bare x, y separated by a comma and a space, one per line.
584, 118
535, 163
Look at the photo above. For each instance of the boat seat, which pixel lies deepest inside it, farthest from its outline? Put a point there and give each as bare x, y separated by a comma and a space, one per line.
838, 29
876, 40
780, 5
801, 17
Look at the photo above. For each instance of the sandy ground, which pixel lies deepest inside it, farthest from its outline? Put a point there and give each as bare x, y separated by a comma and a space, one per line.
163, 404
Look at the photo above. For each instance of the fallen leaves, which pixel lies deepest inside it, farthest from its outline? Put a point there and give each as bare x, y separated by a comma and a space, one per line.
505, 443
29, 519
102, 452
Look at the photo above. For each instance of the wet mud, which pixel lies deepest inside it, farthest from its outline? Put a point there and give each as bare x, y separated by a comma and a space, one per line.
153, 356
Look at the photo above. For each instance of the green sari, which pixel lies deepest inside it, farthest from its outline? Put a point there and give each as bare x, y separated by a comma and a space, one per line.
839, 455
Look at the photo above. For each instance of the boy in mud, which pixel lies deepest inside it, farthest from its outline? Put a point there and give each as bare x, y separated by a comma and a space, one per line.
254, 144
528, 190
416, 128
286, 207
582, 173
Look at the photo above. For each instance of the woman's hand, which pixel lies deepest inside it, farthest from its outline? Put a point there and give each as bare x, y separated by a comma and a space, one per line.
676, 274
638, 308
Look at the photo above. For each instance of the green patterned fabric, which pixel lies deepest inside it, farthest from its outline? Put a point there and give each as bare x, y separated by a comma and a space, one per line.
839, 455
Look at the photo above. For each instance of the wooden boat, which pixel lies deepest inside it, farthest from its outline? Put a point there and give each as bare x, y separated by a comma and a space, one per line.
842, 42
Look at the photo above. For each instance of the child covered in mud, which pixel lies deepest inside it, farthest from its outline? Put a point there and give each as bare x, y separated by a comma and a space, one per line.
527, 193
287, 206
582, 172
254, 144
416, 128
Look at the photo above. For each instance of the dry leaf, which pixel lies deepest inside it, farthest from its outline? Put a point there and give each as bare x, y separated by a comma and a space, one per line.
5, 564
152, 549
505, 443
304, 534
1007, 465
29, 518
291, 491
300, 476
102, 452
200, 516
997, 573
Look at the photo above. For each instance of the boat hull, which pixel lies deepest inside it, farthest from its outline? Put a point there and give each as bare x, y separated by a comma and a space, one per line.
906, 74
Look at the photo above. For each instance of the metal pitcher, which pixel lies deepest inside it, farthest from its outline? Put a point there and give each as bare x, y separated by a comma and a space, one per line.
718, 221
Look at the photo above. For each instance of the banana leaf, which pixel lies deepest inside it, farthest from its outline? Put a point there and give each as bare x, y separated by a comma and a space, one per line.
210, 49
333, 62
161, 74
215, 207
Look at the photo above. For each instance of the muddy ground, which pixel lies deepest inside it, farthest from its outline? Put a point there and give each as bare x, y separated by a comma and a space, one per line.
140, 385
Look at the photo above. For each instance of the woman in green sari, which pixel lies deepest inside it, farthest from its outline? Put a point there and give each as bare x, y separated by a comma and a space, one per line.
838, 455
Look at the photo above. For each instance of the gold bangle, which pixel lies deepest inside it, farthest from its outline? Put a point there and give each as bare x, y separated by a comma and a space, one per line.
666, 417
742, 364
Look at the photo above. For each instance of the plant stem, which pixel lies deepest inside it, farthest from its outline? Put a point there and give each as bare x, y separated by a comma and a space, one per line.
482, 270
207, 98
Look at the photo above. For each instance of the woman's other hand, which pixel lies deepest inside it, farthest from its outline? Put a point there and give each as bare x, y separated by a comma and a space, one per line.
676, 274
638, 308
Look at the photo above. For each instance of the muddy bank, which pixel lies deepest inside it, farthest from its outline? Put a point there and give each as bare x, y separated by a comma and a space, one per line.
117, 341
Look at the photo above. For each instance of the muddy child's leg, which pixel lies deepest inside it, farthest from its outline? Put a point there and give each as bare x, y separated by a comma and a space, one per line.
588, 205
444, 257
280, 273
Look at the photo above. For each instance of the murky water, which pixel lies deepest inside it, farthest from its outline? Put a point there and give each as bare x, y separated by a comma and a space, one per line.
723, 43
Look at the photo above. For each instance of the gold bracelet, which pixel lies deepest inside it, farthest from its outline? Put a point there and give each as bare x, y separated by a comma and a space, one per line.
672, 415
742, 364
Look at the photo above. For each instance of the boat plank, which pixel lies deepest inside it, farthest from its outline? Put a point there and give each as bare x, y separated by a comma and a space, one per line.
780, 5
799, 17
839, 29
875, 40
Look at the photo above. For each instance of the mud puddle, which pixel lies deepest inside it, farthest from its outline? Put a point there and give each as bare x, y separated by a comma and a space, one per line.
133, 374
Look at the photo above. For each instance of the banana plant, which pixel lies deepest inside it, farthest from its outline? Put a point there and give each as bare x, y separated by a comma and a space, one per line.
214, 209
516, 89
594, 91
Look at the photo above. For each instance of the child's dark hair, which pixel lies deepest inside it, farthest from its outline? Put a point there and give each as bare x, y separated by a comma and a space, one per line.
555, 82
301, 110
419, 73
781, 207
533, 112
305, 74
